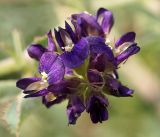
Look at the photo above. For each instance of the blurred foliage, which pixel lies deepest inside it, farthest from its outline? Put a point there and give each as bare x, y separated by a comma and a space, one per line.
22, 21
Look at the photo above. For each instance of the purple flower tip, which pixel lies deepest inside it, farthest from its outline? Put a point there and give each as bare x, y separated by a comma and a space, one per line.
127, 37
36, 51
97, 107
74, 109
131, 50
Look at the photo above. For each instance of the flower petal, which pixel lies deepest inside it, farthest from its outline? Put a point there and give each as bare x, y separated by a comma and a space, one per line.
51, 43
46, 62
70, 32
127, 37
78, 54
131, 50
74, 109
92, 98
98, 46
58, 100
57, 71
65, 36
25, 82
69, 86
101, 63
115, 88
125, 91
95, 77
88, 24
78, 30
58, 38
37, 94
105, 19
36, 86
36, 51
96, 106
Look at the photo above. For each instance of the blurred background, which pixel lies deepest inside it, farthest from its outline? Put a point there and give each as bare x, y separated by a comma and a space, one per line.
22, 22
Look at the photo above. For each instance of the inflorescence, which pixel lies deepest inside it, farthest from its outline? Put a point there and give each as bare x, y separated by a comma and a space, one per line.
80, 64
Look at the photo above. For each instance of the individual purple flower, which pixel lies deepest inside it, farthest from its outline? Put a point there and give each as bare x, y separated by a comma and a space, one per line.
115, 88
97, 105
51, 69
126, 47
101, 56
96, 102
74, 51
89, 25
75, 108
36, 50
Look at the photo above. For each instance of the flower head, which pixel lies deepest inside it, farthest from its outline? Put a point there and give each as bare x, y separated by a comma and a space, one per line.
81, 66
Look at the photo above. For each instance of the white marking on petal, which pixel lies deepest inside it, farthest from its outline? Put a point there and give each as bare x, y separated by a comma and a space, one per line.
108, 42
69, 47
44, 77
123, 47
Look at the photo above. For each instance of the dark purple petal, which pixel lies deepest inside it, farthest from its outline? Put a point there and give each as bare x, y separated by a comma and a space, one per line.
57, 100
125, 91
101, 53
88, 24
78, 54
25, 82
46, 62
65, 36
74, 109
92, 98
131, 50
70, 32
37, 94
105, 19
86, 29
78, 30
36, 51
95, 77
115, 88
97, 45
56, 72
127, 37
58, 38
101, 63
51, 43
96, 106
69, 86
59, 88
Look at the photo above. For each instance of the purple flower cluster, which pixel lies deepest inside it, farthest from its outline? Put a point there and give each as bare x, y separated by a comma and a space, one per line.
80, 65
